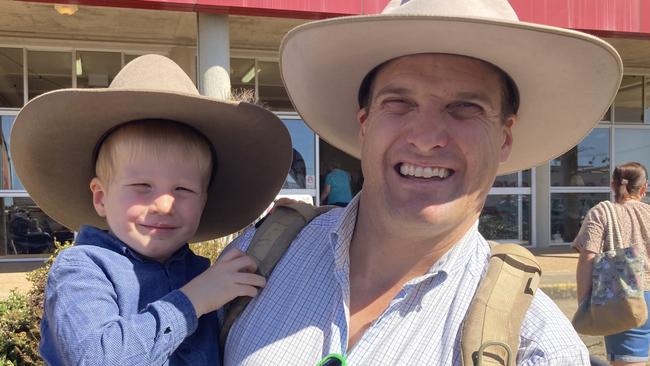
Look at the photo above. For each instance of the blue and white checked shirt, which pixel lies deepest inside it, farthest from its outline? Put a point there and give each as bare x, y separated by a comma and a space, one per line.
303, 313
107, 305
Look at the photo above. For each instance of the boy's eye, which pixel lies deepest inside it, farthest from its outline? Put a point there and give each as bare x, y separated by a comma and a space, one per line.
140, 187
185, 189
464, 110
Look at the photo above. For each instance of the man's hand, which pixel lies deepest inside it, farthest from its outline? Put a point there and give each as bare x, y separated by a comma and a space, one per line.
233, 275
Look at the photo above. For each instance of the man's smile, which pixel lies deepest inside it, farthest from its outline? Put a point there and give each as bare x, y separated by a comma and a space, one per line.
428, 172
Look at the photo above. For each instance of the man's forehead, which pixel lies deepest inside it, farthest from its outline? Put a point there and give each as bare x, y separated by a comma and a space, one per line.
462, 68
460, 61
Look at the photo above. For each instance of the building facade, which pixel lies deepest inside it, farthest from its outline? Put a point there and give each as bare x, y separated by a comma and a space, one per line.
84, 43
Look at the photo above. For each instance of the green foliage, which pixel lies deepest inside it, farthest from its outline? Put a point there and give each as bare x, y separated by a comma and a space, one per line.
20, 318
211, 248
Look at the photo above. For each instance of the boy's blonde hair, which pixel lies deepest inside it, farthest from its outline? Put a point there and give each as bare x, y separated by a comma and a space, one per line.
164, 139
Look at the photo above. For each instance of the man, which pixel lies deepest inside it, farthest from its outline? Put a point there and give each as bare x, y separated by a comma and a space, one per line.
450, 93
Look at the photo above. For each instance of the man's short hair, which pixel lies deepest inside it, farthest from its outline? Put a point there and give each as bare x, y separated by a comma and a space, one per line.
154, 137
509, 91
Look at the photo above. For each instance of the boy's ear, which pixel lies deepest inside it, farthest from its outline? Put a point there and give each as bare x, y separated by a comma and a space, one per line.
97, 188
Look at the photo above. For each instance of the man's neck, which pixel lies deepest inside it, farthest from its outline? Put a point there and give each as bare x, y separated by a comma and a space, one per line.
388, 249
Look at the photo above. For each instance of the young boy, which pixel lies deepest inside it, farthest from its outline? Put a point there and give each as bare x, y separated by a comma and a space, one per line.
136, 294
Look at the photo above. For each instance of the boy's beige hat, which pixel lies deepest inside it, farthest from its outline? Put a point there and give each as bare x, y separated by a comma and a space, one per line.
55, 135
566, 79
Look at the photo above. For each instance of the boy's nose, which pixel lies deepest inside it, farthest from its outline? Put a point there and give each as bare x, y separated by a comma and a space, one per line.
163, 204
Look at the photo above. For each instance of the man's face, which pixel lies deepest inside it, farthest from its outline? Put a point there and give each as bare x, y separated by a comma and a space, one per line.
433, 138
153, 204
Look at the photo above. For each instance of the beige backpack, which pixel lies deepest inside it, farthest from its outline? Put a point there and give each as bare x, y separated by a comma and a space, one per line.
490, 334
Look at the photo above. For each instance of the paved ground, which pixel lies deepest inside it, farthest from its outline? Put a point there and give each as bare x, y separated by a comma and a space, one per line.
558, 281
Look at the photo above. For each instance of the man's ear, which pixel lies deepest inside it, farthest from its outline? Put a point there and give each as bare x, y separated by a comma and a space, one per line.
362, 117
506, 146
99, 193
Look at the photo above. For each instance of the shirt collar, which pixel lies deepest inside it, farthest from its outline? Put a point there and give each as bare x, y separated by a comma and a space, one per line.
90, 235
454, 260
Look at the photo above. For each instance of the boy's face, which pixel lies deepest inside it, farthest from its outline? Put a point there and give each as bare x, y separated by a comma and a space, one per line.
153, 204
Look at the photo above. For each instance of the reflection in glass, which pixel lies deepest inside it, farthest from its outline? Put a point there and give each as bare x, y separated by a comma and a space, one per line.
48, 71
584, 165
271, 90
9, 178
519, 179
25, 229
96, 69
647, 100
11, 77
302, 173
628, 105
632, 144
567, 212
507, 218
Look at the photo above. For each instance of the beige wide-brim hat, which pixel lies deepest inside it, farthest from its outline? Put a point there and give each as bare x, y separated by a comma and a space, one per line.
55, 135
566, 79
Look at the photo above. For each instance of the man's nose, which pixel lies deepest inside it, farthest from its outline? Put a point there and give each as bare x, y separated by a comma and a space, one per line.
163, 204
428, 130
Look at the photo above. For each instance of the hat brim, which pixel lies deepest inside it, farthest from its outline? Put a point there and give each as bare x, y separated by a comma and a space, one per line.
566, 79
55, 134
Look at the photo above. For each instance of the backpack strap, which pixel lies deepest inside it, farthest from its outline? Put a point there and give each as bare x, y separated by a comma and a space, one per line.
269, 243
490, 334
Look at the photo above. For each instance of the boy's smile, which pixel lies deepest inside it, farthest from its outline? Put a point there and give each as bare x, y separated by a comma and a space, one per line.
153, 203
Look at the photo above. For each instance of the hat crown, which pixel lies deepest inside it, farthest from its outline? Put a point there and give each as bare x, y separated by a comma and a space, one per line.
495, 9
154, 72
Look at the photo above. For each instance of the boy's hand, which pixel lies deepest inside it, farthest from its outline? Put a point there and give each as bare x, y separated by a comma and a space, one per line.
231, 276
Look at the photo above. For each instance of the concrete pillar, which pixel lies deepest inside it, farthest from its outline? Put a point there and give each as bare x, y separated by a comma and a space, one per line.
214, 55
543, 206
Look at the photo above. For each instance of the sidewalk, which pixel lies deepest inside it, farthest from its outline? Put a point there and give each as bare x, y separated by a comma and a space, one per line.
558, 272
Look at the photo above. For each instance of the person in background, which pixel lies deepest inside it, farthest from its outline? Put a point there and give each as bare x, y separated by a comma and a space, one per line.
629, 184
337, 188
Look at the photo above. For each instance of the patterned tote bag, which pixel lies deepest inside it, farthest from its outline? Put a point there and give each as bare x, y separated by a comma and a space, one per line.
616, 303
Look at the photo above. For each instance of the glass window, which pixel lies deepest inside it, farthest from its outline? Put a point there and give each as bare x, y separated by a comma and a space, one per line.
8, 179
271, 90
567, 212
48, 71
129, 58
242, 77
519, 179
11, 77
506, 218
25, 229
632, 144
302, 173
628, 105
584, 165
96, 69
647, 100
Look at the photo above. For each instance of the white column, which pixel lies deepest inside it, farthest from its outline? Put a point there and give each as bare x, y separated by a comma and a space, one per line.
214, 55
543, 206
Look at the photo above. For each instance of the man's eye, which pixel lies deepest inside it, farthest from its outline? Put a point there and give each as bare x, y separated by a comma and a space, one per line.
464, 110
397, 105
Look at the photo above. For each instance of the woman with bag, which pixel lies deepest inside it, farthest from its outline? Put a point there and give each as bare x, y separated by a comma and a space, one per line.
621, 229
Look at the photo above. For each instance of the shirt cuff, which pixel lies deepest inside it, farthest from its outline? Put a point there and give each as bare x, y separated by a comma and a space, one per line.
179, 312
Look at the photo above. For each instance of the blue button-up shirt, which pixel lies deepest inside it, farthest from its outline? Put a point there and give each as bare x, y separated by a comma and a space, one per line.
303, 312
107, 305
